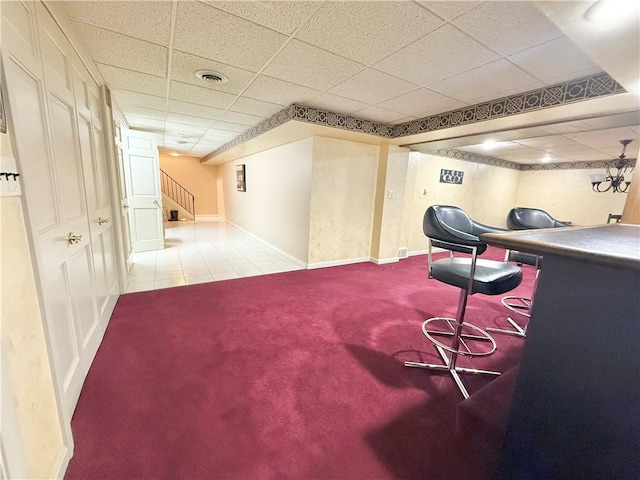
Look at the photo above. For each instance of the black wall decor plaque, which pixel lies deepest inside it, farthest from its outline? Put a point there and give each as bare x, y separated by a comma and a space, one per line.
451, 176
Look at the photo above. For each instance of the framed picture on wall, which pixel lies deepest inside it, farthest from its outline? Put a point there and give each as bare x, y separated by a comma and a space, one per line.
241, 181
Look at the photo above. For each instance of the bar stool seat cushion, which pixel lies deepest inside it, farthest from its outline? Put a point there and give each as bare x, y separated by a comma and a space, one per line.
491, 277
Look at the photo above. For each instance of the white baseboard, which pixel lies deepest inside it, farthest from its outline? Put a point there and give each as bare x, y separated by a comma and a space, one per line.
383, 261
336, 263
421, 252
208, 218
62, 464
295, 260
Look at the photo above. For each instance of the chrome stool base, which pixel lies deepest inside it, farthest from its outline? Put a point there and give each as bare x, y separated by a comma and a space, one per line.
463, 349
519, 305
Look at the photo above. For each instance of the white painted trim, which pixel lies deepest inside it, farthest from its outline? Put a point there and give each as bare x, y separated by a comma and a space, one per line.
383, 261
62, 464
336, 263
424, 252
208, 218
297, 261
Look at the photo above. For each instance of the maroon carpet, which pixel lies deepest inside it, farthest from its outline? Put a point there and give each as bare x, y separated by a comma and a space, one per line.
294, 375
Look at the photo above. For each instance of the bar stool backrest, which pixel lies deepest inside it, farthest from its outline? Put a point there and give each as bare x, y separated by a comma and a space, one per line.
524, 218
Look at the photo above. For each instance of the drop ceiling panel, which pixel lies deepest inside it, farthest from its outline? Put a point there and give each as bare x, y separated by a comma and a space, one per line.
184, 67
366, 32
148, 123
229, 127
449, 9
549, 141
493, 80
148, 21
508, 27
311, 66
218, 136
281, 16
189, 120
335, 103
212, 33
125, 98
241, 118
438, 55
272, 90
255, 107
121, 51
604, 138
135, 81
372, 87
379, 114
199, 95
556, 61
421, 103
143, 112
186, 108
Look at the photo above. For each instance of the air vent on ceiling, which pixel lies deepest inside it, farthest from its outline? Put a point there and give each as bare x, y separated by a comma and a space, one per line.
211, 77
181, 142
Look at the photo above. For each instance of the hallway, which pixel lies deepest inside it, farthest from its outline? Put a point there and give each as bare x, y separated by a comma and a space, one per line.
205, 251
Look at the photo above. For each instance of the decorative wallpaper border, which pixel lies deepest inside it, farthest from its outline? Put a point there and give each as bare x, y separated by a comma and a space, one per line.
497, 162
585, 88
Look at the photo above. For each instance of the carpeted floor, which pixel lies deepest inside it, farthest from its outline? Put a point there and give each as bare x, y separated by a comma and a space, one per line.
293, 375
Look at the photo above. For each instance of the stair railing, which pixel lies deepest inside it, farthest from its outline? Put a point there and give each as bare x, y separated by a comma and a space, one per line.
177, 192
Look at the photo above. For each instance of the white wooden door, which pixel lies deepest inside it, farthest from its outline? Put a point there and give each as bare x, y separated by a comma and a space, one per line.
53, 138
142, 176
118, 131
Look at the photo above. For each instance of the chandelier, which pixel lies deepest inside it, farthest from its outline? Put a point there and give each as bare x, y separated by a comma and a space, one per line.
614, 178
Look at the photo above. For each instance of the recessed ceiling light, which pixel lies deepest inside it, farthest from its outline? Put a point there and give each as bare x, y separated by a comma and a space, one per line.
211, 77
546, 159
606, 10
175, 154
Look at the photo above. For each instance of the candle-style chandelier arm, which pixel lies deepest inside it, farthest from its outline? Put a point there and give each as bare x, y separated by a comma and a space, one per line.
614, 180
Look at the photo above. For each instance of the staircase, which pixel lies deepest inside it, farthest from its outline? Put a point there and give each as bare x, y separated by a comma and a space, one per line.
176, 197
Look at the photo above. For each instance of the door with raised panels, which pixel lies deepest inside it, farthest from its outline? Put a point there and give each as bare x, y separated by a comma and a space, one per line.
142, 176
61, 160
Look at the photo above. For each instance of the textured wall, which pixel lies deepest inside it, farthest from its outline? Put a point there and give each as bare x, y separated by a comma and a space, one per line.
342, 200
487, 193
199, 179
567, 195
24, 348
275, 206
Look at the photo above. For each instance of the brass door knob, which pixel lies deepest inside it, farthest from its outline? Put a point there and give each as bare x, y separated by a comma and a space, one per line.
102, 221
72, 238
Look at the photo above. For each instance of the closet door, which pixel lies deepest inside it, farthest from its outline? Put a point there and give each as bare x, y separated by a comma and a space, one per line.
54, 140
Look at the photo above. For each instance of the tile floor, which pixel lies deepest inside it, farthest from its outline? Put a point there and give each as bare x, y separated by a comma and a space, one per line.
199, 252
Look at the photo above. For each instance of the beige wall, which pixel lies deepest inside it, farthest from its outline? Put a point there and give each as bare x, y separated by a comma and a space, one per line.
23, 344
343, 191
487, 194
567, 195
199, 179
275, 206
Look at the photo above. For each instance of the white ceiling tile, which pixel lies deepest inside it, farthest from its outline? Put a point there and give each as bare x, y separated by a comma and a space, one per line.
367, 31
508, 27
201, 151
184, 67
334, 103
555, 61
403, 120
311, 66
272, 90
143, 112
449, 9
134, 121
609, 138
284, 17
241, 118
421, 103
490, 81
125, 98
189, 120
440, 54
119, 78
229, 127
378, 114
199, 95
122, 51
214, 135
149, 21
255, 107
212, 33
372, 87
195, 110
549, 141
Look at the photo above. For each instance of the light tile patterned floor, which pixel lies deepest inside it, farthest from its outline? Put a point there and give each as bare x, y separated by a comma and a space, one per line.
199, 252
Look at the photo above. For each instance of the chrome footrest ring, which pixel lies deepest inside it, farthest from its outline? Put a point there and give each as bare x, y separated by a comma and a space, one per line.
480, 336
519, 305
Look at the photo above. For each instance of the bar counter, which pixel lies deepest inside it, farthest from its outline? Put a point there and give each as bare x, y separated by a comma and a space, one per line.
576, 407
